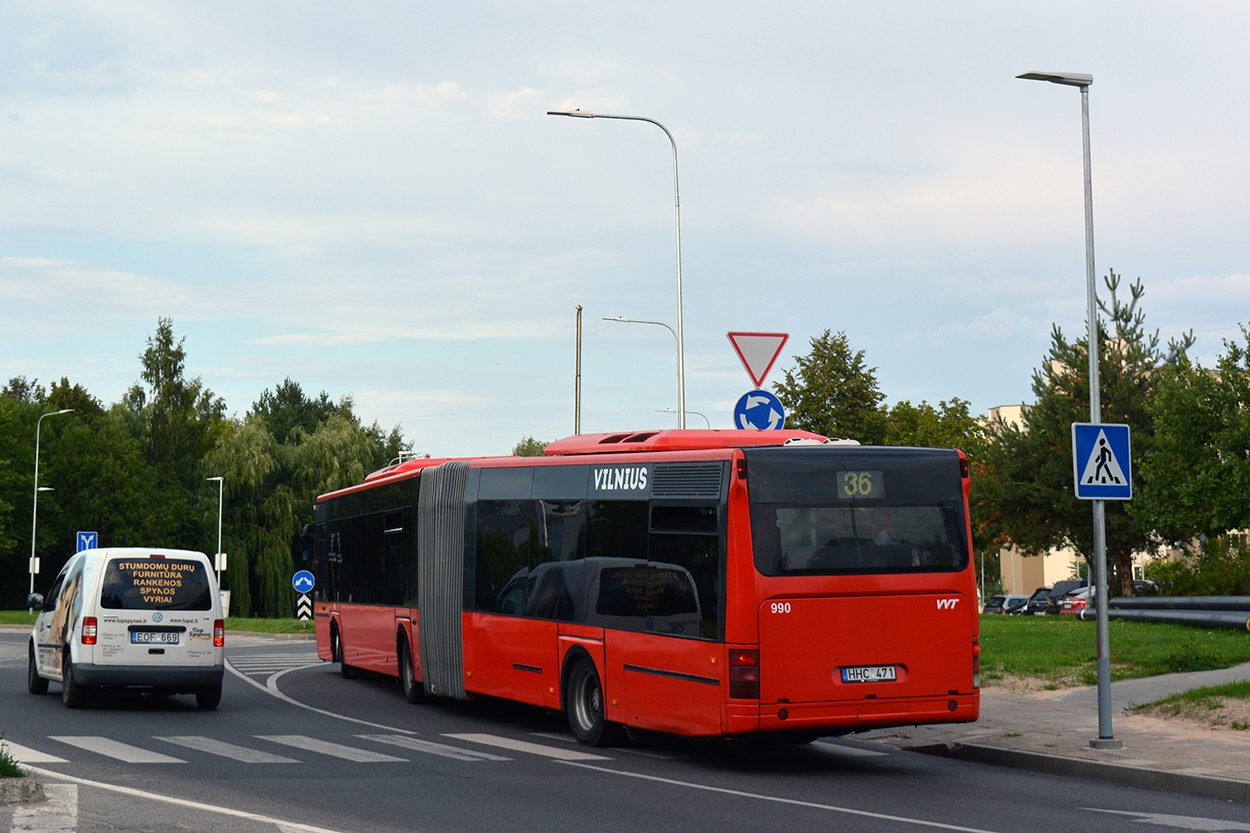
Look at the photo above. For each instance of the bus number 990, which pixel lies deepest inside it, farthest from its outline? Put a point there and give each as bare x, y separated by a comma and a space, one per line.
781, 607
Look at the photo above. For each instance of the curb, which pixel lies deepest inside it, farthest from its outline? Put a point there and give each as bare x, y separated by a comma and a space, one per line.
28, 790
1126, 776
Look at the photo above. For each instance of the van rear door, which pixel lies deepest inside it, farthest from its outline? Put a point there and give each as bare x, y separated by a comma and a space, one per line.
156, 609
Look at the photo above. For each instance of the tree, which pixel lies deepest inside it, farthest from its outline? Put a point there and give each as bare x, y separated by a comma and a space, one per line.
75, 397
1198, 471
20, 390
529, 447
1028, 483
175, 417
286, 408
833, 393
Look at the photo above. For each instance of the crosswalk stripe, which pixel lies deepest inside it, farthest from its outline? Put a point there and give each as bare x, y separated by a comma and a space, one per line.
26, 755
434, 748
531, 748
227, 750
336, 750
116, 749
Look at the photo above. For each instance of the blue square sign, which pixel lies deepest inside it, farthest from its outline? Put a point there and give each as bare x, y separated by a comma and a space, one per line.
1101, 464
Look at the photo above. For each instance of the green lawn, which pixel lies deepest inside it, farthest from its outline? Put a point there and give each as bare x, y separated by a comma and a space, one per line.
233, 623
1059, 650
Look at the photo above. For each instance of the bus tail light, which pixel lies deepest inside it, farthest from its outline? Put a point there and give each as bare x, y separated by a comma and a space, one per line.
744, 675
976, 662
219, 633
88, 630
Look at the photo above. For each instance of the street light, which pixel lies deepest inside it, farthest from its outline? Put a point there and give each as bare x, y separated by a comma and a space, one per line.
696, 413
1105, 739
681, 360
217, 557
34, 505
681, 423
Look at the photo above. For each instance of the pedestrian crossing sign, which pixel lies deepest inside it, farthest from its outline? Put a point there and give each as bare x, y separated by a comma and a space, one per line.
1101, 463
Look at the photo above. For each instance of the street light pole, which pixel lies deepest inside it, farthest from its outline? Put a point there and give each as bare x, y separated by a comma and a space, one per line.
34, 504
217, 557
681, 360
1105, 739
681, 422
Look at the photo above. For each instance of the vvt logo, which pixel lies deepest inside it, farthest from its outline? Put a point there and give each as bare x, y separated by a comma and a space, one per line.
947, 604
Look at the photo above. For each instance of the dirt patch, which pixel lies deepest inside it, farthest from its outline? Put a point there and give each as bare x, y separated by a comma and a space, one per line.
1032, 685
1227, 713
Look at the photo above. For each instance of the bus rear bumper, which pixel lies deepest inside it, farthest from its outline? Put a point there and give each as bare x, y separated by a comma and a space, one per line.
854, 716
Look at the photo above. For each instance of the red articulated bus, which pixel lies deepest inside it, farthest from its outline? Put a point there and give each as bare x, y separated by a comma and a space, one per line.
701, 583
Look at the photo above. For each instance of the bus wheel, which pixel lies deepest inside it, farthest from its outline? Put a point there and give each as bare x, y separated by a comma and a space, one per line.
72, 694
208, 698
414, 692
34, 683
584, 704
336, 651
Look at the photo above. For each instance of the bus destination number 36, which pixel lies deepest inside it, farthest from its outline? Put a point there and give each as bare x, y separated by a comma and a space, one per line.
863, 484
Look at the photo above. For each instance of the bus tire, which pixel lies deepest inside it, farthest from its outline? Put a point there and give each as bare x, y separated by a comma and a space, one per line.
208, 698
336, 650
34, 683
73, 695
414, 691
584, 704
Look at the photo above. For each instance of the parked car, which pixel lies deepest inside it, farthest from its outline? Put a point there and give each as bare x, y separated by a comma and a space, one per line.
1076, 601
1010, 603
1039, 602
1054, 596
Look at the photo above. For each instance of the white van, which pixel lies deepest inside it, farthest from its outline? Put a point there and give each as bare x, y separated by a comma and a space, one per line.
130, 618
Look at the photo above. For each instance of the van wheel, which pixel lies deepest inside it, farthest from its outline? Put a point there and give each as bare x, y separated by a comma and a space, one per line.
34, 683
584, 703
73, 695
208, 698
414, 692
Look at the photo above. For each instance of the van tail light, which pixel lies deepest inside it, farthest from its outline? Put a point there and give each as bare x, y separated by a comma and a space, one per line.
219, 633
88, 630
976, 662
744, 675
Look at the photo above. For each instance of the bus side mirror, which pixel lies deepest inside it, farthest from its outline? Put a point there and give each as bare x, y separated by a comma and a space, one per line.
34, 601
307, 543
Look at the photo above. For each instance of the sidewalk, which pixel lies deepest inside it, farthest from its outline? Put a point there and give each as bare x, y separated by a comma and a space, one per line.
1050, 731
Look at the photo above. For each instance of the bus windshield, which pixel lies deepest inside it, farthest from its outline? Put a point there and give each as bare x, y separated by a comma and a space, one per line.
825, 511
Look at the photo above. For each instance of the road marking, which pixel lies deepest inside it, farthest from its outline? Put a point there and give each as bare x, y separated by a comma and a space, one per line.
26, 755
59, 814
183, 802
116, 749
227, 750
434, 748
531, 748
1182, 822
269, 663
794, 802
336, 750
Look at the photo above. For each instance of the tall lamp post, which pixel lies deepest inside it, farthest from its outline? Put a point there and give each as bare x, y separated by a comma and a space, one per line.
1105, 739
681, 361
217, 557
34, 504
681, 413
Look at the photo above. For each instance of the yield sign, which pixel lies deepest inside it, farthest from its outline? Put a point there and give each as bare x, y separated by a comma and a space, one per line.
758, 351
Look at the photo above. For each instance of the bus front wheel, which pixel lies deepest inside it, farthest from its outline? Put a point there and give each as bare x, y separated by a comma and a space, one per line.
585, 707
414, 691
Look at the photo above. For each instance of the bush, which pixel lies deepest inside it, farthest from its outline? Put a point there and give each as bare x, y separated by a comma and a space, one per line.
1220, 568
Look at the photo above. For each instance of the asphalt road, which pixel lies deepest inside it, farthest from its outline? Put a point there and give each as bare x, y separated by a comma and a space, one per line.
294, 746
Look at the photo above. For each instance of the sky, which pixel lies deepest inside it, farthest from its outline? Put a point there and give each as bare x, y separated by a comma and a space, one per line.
369, 198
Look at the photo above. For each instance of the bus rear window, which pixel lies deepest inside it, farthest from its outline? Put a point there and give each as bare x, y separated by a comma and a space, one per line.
155, 584
825, 540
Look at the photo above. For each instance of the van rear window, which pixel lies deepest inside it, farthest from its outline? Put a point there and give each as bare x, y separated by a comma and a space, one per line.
155, 584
